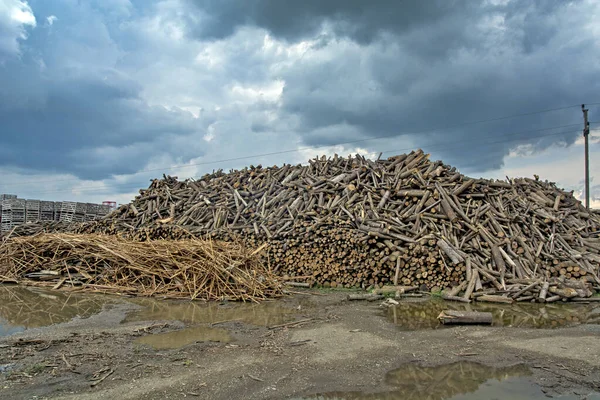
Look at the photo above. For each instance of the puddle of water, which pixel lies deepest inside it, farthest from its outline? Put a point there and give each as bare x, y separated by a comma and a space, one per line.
177, 339
457, 381
414, 315
193, 313
24, 307
197, 314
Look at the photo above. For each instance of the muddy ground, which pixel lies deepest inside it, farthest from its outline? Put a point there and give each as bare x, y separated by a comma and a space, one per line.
337, 348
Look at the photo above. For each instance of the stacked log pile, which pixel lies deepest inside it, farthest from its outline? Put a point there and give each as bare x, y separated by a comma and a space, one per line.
405, 220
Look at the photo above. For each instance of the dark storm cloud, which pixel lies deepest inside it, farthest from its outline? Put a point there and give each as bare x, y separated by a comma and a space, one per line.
361, 20
433, 27
55, 123
62, 102
418, 65
75, 95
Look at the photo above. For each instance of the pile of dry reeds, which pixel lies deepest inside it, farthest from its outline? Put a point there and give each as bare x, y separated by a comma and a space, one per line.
193, 268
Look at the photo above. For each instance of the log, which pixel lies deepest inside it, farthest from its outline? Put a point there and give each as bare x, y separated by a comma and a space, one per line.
395, 289
586, 299
467, 184
298, 284
564, 292
455, 298
368, 297
448, 210
500, 266
397, 273
543, 292
557, 202
552, 299
450, 252
471, 285
495, 299
525, 289
453, 317
456, 290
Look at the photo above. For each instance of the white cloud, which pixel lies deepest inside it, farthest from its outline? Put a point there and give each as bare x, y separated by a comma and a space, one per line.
51, 20
271, 91
21, 13
15, 17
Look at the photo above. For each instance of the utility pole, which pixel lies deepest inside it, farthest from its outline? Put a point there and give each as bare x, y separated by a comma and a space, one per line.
586, 133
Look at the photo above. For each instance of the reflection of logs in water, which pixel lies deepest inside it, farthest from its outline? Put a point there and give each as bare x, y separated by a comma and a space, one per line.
263, 314
414, 382
423, 314
30, 308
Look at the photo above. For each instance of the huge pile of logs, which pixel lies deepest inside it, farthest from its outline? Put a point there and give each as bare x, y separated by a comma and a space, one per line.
405, 220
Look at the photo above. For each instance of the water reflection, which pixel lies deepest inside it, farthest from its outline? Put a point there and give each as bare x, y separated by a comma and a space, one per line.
24, 307
28, 307
513, 388
414, 382
412, 315
263, 314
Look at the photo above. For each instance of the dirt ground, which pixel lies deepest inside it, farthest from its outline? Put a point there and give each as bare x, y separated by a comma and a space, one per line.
337, 346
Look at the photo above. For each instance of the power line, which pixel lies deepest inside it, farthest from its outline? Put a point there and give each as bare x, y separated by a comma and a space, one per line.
435, 145
469, 123
130, 185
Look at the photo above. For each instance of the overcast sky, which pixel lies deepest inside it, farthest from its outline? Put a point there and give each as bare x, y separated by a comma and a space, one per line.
99, 96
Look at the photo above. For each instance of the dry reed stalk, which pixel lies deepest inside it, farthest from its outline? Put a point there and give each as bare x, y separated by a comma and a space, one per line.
191, 268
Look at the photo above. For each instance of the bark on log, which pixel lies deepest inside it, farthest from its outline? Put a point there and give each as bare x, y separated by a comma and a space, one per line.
455, 298
495, 299
395, 289
564, 292
450, 251
500, 266
457, 289
471, 286
298, 284
543, 292
368, 297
